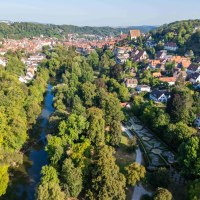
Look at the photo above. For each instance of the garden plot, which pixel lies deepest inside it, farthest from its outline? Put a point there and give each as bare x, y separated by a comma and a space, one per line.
156, 160
158, 152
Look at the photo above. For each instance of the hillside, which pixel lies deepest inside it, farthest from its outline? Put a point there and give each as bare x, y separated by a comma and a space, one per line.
185, 33
26, 29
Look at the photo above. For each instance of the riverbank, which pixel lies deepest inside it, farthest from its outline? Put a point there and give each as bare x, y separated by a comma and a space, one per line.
26, 177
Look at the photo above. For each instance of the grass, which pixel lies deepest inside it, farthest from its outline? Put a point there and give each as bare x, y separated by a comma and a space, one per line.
125, 157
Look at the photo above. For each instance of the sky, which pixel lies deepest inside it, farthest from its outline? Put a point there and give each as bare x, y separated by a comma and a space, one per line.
100, 12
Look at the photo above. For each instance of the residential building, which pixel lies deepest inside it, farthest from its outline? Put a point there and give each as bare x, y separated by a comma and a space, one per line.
134, 34
161, 55
159, 96
170, 80
140, 56
131, 83
143, 88
194, 78
156, 74
170, 46
193, 68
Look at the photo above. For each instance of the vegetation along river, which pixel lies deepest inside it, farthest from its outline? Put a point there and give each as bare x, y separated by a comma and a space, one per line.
27, 176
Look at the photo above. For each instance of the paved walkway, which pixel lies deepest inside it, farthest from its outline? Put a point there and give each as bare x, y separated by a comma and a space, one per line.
139, 190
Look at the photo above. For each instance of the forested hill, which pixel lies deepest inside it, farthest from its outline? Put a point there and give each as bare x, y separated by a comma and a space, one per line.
25, 29
185, 33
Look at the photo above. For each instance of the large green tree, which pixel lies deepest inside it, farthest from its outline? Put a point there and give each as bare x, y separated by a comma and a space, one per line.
49, 188
134, 173
162, 194
189, 157
107, 182
72, 178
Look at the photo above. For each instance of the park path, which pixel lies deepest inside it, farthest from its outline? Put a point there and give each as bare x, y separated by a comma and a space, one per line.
139, 190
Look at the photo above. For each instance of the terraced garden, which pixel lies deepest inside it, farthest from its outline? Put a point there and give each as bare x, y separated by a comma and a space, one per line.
157, 153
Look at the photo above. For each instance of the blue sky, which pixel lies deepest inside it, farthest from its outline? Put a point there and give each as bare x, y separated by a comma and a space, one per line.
100, 12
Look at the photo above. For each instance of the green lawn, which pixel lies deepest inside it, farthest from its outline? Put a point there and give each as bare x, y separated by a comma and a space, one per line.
123, 155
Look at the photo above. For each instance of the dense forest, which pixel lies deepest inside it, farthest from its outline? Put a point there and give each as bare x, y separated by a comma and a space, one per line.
185, 33
19, 30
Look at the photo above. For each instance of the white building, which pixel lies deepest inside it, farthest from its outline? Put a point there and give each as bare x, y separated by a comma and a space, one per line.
171, 46
195, 78
143, 88
159, 96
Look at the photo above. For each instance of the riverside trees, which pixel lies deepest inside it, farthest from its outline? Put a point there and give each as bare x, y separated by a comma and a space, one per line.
20, 105
85, 127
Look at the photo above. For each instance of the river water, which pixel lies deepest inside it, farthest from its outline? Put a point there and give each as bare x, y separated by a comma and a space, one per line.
27, 176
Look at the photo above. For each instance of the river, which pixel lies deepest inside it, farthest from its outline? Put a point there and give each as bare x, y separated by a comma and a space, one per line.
27, 176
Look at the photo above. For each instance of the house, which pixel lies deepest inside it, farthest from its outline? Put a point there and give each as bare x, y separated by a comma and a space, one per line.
131, 83
120, 59
159, 96
180, 61
185, 63
170, 80
153, 63
170, 46
143, 88
197, 121
150, 43
193, 68
194, 78
156, 74
161, 55
140, 56
125, 105
134, 34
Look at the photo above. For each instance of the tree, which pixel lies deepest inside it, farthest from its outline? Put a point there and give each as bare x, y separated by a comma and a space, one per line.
116, 72
77, 106
193, 190
179, 106
96, 126
4, 178
162, 194
179, 132
49, 188
159, 178
134, 173
120, 89
189, 157
107, 182
72, 127
72, 178
111, 107
15, 66
88, 93
93, 59
50, 191
115, 133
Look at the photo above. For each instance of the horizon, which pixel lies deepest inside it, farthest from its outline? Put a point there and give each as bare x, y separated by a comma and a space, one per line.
47, 23
99, 13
